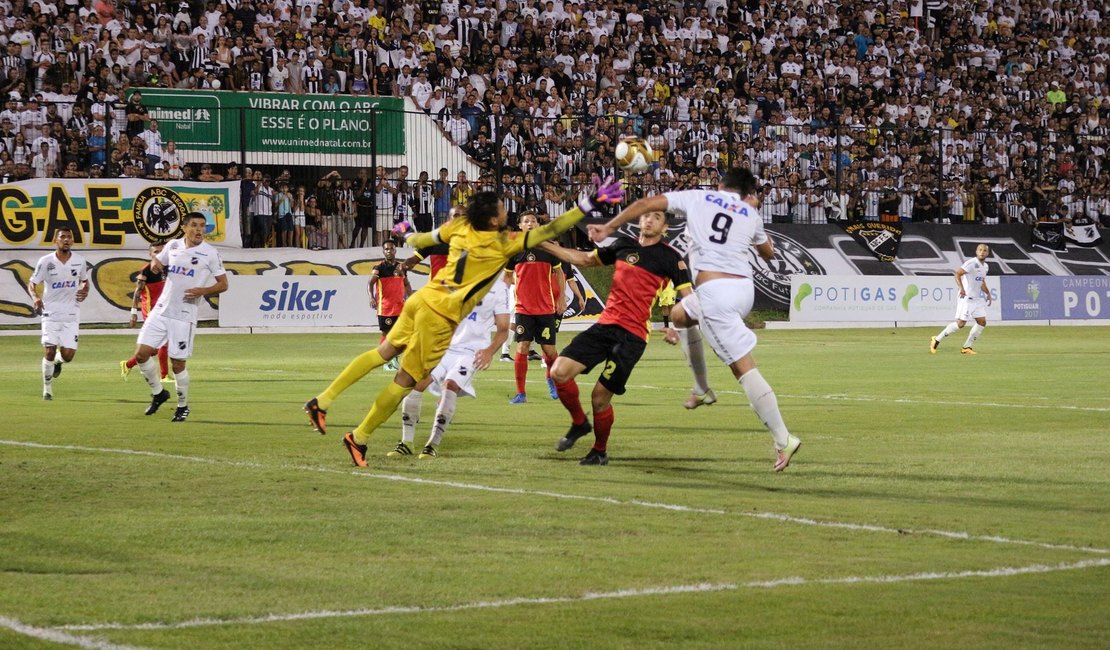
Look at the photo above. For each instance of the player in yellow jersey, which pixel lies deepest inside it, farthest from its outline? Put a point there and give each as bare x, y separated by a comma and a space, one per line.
480, 245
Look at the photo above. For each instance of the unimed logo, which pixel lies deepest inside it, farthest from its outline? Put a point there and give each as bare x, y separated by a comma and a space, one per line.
291, 302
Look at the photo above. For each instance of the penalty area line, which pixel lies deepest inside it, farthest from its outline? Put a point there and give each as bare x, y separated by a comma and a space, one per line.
674, 507
999, 572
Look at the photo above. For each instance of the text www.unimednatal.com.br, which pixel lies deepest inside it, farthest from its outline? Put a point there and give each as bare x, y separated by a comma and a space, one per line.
317, 142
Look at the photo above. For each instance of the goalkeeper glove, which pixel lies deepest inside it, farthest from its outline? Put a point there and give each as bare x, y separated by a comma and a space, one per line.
609, 191
403, 229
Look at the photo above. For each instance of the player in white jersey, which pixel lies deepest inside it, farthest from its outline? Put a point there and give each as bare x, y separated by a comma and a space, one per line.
470, 351
974, 299
65, 284
722, 225
193, 271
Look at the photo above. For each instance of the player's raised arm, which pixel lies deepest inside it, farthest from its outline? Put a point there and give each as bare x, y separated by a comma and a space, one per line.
412, 261
657, 203
611, 191
570, 255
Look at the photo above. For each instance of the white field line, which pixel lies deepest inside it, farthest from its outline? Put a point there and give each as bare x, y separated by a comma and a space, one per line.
591, 596
839, 397
61, 638
883, 400
804, 521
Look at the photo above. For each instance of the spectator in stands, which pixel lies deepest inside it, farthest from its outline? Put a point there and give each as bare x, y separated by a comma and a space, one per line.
153, 140
442, 191
137, 114
261, 210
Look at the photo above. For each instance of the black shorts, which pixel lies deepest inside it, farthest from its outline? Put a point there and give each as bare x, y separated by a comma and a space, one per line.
616, 346
558, 322
540, 329
385, 323
365, 217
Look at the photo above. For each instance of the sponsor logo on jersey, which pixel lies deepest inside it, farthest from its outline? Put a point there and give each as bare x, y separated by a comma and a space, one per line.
159, 214
181, 270
731, 206
64, 284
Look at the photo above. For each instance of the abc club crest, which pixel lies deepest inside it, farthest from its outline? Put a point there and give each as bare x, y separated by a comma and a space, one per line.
158, 214
772, 277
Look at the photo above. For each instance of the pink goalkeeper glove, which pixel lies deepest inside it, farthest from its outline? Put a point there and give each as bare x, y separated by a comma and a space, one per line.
403, 229
610, 191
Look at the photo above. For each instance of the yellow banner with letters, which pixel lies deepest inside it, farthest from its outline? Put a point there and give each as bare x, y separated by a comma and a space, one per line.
118, 213
112, 277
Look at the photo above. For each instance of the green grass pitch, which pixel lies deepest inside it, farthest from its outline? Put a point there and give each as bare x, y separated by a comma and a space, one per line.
938, 501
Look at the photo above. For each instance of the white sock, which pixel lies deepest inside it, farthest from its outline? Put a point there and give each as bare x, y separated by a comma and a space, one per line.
149, 368
765, 404
951, 329
505, 348
47, 373
695, 357
445, 412
410, 415
182, 379
976, 330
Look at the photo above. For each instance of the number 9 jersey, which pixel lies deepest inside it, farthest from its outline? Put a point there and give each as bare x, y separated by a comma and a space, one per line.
721, 227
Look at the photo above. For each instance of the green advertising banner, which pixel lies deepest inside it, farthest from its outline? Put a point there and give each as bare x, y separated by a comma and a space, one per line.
215, 125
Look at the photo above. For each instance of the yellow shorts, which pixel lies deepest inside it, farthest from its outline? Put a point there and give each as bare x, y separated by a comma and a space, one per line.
424, 335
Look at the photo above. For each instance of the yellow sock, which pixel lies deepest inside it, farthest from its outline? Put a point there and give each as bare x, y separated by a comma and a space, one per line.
355, 370
384, 406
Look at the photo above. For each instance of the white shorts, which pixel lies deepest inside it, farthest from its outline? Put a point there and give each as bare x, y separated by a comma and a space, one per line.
971, 308
298, 220
724, 304
384, 219
59, 334
457, 367
158, 331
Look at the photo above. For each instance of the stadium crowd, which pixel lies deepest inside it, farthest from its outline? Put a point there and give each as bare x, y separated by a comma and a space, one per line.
981, 111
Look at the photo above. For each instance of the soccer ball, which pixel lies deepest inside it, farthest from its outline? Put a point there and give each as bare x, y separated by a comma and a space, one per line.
634, 155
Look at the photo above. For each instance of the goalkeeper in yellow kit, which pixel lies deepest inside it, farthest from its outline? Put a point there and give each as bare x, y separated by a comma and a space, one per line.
480, 245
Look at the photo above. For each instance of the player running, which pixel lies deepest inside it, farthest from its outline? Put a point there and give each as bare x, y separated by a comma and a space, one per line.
620, 335
193, 271
148, 288
723, 224
65, 283
972, 304
471, 350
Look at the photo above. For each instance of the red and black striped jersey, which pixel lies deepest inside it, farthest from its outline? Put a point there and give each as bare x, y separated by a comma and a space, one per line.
390, 286
436, 256
641, 272
532, 271
152, 288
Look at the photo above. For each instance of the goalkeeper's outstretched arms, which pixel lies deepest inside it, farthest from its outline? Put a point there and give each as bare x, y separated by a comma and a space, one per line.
657, 203
610, 191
